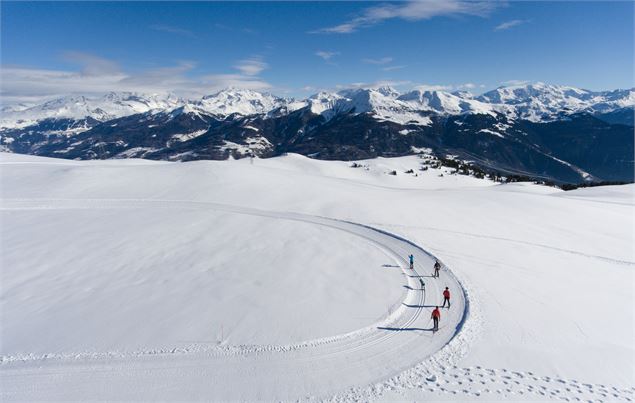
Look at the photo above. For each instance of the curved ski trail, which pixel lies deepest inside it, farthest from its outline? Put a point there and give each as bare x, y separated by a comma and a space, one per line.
312, 369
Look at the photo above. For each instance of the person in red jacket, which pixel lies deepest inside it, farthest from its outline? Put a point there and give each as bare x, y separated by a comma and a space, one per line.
436, 316
446, 297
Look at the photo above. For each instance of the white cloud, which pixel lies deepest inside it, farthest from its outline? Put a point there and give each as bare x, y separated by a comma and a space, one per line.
326, 55
221, 81
97, 75
172, 30
377, 84
91, 65
509, 24
449, 87
515, 82
252, 66
428, 87
391, 68
414, 10
383, 60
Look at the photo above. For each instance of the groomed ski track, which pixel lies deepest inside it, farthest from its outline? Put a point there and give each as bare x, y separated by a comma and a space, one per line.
311, 370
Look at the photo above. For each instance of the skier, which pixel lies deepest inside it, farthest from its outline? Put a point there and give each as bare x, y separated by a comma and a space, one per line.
412, 262
446, 297
437, 267
436, 316
423, 285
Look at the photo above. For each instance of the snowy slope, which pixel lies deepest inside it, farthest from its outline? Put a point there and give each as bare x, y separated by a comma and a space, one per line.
226, 271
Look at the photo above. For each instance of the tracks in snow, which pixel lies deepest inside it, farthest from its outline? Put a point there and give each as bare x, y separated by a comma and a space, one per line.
319, 367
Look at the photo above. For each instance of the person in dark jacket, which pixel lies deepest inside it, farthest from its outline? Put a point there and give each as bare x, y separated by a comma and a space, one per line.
437, 267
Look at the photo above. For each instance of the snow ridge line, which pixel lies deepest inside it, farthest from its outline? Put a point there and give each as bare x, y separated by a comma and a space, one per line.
233, 350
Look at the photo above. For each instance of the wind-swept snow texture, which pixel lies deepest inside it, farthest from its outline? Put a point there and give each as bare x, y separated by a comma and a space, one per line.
286, 279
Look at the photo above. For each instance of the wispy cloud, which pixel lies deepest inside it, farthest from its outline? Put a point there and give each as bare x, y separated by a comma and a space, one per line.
414, 10
97, 75
515, 82
91, 65
252, 66
326, 55
243, 30
428, 87
376, 84
391, 68
172, 30
383, 60
217, 82
447, 87
509, 24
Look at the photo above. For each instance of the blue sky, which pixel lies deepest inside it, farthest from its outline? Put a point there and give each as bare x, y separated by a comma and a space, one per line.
298, 48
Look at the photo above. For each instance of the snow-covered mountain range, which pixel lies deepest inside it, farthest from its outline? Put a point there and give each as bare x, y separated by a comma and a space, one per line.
106, 107
535, 102
537, 130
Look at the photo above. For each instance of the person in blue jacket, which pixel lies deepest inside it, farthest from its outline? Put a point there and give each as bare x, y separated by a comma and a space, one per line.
412, 262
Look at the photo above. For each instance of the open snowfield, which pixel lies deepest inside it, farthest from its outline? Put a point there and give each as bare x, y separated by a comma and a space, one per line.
286, 279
